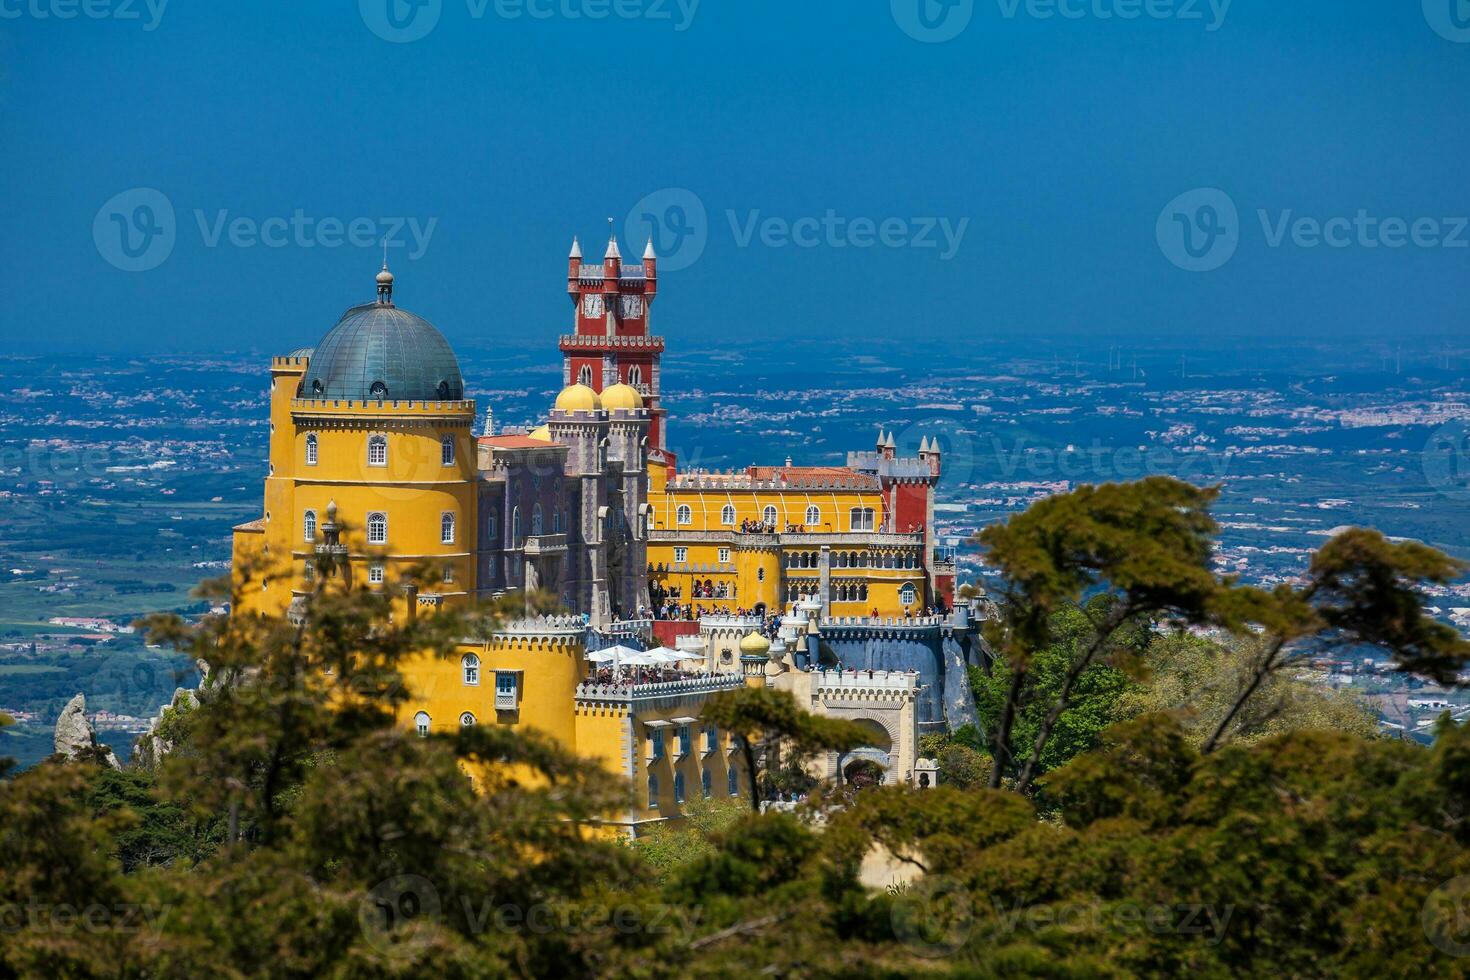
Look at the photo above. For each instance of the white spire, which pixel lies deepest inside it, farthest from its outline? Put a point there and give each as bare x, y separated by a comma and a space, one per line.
648, 251
612, 242
923, 445
890, 444
576, 249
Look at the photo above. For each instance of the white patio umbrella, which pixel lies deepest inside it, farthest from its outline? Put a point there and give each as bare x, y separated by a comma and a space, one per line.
615, 655
667, 655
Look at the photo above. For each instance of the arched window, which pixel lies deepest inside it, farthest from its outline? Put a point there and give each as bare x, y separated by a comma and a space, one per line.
584, 376
908, 560
686, 516
733, 783
446, 528
678, 787
471, 665
538, 521
308, 525
466, 720
311, 449
515, 528
652, 791
446, 451
377, 450
421, 723
635, 375
863, 592
727, 515
813, 515
706, 782
377, 528
908, 595
769, 515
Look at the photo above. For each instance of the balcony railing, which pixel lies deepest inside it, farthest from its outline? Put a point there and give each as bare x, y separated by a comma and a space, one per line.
538, 545
627, 692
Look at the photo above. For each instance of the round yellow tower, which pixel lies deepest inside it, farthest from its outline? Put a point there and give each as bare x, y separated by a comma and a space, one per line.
373, 423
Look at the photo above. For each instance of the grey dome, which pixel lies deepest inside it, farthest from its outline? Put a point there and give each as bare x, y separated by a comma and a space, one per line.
380, 352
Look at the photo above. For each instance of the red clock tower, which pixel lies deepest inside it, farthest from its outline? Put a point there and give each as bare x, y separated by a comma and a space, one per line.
611, 343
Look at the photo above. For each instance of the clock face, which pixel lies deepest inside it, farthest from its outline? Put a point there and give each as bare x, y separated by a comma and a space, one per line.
632, 306
592, 304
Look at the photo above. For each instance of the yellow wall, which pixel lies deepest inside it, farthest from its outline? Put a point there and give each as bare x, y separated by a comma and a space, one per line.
414, 489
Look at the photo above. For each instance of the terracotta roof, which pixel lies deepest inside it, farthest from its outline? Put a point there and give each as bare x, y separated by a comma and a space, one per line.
256, 525
514, 442
799, 472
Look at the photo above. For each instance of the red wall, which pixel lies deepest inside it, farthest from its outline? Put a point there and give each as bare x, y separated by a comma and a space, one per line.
910, 507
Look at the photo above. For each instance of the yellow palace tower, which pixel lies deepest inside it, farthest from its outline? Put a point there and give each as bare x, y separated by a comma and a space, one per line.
372, 457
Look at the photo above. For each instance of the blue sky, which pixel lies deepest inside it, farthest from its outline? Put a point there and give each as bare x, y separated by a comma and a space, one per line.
1034, 176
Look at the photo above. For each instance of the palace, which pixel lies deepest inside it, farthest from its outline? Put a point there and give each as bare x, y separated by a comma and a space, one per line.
375, 473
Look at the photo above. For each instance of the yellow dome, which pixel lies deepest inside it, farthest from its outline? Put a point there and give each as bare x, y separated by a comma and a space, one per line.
577, 398
541, 432
622, 396
755, 645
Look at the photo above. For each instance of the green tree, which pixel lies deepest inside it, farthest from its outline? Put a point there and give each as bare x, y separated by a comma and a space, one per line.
1095, 696
1141, 552
1200, 679
669, 846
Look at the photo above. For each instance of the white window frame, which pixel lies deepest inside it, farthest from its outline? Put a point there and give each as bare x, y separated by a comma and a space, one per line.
377, 527
447, 527
377, 450
770, 515
470, 665
446, 451
724, 556
912, 593
813, 515
727, 515
685, 514
467, 720
312, 449
681, 555
376, 573
448, 574
308, 526
422, 723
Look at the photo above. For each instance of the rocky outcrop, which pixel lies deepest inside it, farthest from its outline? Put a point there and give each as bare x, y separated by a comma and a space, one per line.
154, 744
76, 739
